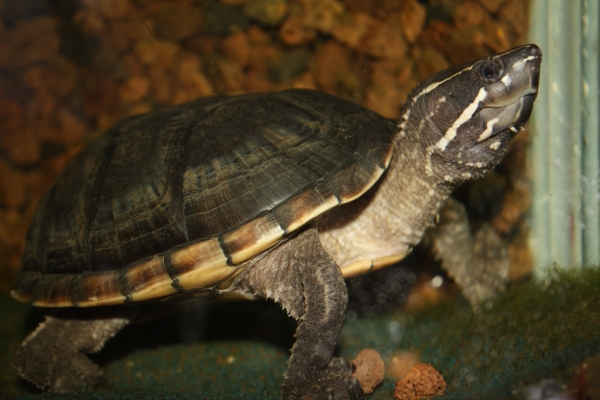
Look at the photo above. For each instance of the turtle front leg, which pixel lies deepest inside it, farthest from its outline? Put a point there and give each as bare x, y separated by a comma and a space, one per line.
478, 263
53, 356
306, 281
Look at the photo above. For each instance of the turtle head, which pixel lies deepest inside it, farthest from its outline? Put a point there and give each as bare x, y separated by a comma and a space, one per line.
465, 116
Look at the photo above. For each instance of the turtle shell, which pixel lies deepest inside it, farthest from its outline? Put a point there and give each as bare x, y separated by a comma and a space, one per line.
179, 199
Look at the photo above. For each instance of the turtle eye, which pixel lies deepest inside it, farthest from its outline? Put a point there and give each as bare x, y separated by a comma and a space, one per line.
489, 71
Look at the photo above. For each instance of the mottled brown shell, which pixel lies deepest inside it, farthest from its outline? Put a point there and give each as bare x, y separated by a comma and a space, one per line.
175, 200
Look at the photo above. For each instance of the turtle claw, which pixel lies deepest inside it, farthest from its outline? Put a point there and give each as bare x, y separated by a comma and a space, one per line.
334, 383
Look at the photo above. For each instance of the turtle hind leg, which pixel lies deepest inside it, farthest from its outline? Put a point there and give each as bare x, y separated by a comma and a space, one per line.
53, 356
306, 281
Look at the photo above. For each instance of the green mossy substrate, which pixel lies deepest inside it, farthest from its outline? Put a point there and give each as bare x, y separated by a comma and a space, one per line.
536, 331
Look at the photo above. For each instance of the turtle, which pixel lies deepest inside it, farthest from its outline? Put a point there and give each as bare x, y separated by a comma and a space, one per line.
274, 196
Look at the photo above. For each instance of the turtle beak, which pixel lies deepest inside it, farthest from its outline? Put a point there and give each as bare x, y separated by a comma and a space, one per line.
511, 117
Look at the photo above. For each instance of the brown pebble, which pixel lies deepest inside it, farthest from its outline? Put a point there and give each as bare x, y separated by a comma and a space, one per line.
369, 369
429, 61
328, 62
192, 83
492, 5
233, 2
236, 47
266, 12
352, 29
21, 147
11, 115
177, 22
107, 8
513, 14
29, 41
384, 41
12, 186
412, 19
293, 32
134, 88
421, 382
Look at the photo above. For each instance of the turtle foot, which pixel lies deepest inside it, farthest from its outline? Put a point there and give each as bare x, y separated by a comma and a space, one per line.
335, 382
53, 356
57, 373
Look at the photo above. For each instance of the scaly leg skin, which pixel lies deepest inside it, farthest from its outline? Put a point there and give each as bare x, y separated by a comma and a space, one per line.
53, 356
478, 263
306, 281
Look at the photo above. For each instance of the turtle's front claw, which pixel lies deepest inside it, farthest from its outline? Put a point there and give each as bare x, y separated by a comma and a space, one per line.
335, 382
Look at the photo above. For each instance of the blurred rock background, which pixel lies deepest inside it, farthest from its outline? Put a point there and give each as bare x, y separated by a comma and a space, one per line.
70, 69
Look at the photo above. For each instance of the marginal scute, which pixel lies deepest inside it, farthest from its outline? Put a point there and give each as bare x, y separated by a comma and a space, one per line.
97, 289
252, 238
55, 291
24, 285
353, 181
304, 207
200, 265
147, 280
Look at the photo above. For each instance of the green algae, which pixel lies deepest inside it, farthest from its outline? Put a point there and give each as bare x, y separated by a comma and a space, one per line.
536, 331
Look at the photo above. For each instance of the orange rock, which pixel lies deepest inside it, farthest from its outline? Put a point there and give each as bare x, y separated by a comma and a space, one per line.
131, 28
72, 128
99, 92
107, 8
42, 103
384, 95
384, 41
150, 51
261, 55
60, 76
369, 369
233, 2
436, 35
304, 81
513, 14
492, 5
257, 36
89, 22
133, 65
176, 22
139, 108
412, 19
192, 83
257, 81
30, 41
134, 89
12, 186
322, 15
266, 12
21, 147
422, 381
328, 62
293, 32
11, 115
236, 47
429, 61
162, 83
352, 29
470, 12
